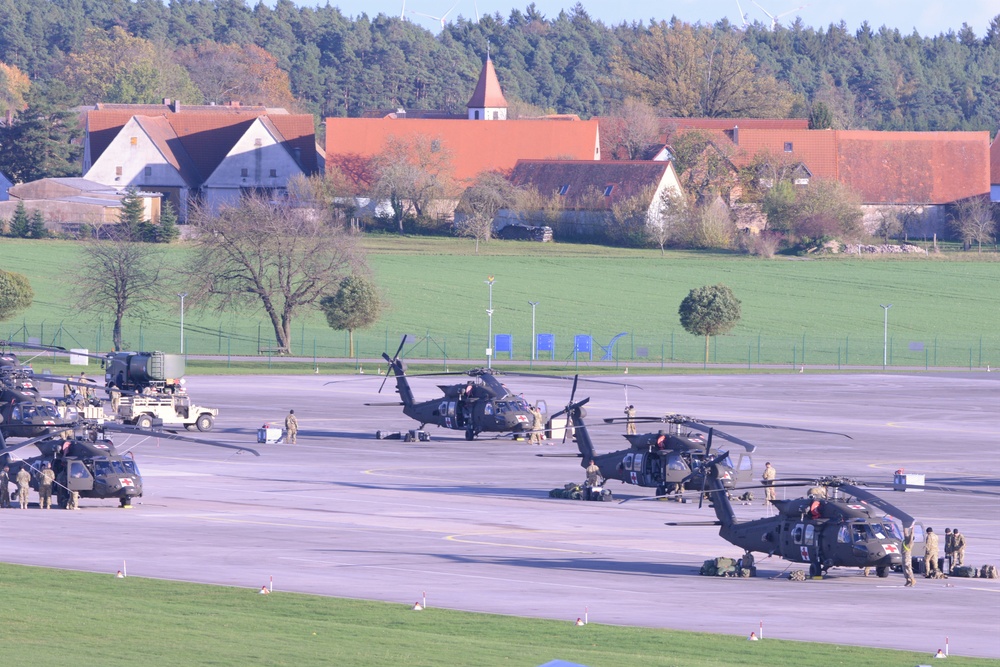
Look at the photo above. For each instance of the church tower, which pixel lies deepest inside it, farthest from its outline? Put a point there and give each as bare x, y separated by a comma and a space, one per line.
487, 102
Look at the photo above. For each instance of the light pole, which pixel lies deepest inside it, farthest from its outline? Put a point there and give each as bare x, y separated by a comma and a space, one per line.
885, 336
489, 313
534, 343
182, 295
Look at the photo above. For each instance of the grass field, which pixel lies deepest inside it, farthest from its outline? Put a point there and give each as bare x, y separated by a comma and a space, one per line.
816, 311
74, 618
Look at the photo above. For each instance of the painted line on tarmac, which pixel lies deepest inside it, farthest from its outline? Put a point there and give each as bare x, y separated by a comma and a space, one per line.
459, 538
924, 427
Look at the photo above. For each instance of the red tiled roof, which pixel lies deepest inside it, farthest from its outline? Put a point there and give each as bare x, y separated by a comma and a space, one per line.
730, 123
583, 177
995, 160
207, 136
487, 93
816, 148
159, 131
476, 146
914, 167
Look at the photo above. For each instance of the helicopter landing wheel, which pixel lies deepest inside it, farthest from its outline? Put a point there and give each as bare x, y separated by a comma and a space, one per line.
882, 572
125, 502
470, 435
62, 498
661, 491
815, 570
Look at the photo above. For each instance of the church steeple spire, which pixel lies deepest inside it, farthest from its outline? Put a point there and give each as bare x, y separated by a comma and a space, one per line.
488, 102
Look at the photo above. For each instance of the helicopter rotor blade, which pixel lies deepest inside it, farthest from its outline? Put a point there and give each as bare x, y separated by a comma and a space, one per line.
572, 394
173, 436
693, 523
716, 422
392, 361
876, 501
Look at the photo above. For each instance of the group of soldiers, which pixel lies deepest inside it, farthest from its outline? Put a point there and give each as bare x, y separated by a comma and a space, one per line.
954, 552
46, 478
537, 425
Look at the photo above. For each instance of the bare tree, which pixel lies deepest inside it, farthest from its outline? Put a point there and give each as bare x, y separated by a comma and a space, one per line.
890, 223
631, 129
271, 256
672, 218
119, 277
973, 221
413, 171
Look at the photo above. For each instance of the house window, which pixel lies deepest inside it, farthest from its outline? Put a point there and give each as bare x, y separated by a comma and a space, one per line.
274, 173
147, 171
477, 114
244, 172
258, 143
118, 171
563, 190
134, 141
608, 190
496, 115
788, 147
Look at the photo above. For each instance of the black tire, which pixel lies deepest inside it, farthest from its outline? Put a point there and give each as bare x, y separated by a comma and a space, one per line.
815, 570
661, 491
145, 422
470, 434
882, 572
205, 422
125, 502
62, 498
379, 436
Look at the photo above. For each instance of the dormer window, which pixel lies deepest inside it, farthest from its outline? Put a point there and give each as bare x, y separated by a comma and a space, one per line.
274, 173
608, 190
244, 172
788, 147
563, 190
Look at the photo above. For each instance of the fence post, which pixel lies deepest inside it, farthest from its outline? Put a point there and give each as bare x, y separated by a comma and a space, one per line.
663, 351
794, 351
749, 352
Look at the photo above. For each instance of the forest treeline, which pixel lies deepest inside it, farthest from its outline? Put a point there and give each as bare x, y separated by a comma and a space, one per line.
317, 60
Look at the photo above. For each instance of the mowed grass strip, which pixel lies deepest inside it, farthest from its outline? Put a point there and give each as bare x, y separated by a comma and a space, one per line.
58, 617
436, 289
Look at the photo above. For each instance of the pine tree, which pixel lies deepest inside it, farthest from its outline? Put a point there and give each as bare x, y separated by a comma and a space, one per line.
167, 231
20, 224
131, 218
36, 227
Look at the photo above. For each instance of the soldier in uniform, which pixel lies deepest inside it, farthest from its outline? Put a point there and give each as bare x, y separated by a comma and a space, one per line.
907, 545
931, 570
537, 425
291, 427
23, 485
116, 397
4, 490
630, 420
45, 487
768, 479
593, 474
959, 547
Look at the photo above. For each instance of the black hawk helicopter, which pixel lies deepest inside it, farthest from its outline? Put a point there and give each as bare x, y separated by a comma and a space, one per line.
669, 460
88, 461
838, 524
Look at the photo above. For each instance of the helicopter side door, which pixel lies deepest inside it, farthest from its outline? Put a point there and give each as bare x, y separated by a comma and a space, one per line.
637, 468
78, 478
799, 541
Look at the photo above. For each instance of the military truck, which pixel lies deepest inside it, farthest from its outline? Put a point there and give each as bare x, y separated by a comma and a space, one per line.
152, 391
166, 409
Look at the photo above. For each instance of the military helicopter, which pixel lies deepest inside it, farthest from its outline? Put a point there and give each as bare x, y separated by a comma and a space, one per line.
838, 524
669, 460
23, 414
89, 463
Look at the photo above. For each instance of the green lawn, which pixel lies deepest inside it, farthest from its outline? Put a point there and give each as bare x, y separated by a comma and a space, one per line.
820, 311
74, 618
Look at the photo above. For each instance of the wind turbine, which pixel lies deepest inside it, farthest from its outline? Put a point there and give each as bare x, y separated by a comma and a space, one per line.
743, 17
437, 18
774, 19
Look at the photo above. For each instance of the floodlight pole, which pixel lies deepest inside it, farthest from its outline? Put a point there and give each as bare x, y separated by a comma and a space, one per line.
182, 295
534, 344
885, 336
489, 313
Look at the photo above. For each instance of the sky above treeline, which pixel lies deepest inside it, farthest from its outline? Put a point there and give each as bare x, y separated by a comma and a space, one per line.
928, 17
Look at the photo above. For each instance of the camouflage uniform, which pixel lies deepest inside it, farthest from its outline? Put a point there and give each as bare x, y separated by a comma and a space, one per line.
537, 425
23, 485
45, 488
593, 475
291, 427
116, 398
630, 420
949, 547
768, 477
4, 490
959, 546
907, 545
931, 554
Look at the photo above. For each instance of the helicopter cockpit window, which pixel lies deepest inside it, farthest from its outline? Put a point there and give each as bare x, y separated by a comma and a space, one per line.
675, 462
15, 413
101, 468
48, 410
746, 463
892, 529
627, 462
810, 534
488, 408
130, 467
844, 534
797, 534
728, 462
520, 406
860, 533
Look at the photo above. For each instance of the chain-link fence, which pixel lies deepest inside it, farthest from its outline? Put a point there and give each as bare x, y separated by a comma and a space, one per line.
256, 339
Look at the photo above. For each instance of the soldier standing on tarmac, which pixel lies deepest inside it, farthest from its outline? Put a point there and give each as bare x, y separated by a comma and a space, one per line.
908, 556
4, 490
291, 427
768, 480
537, 425
45, 487
931, 570
116, 397
959, 547
23, 484
630, 420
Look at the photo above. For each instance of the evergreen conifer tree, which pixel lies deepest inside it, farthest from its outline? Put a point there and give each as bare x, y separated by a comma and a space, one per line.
20, 224
36, 226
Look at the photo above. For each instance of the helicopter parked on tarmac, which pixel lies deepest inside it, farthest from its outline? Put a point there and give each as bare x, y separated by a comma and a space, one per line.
482, 404
88, 461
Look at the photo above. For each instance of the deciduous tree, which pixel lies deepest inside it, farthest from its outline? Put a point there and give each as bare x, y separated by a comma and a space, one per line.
357, 304
276, 257
14, 86
15, 294
709, 311
119, 277
237, 72
412, 172
974, 222
630, 129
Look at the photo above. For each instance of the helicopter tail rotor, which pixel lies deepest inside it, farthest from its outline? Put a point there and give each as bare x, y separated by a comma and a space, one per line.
392, 362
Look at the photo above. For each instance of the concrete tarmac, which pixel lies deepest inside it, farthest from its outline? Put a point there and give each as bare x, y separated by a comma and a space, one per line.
470, 524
